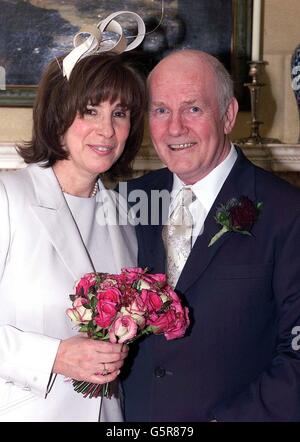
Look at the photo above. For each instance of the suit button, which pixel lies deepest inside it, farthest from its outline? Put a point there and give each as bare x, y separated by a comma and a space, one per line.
159, 372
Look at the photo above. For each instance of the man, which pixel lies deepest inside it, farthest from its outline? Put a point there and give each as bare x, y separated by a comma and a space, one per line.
239, 361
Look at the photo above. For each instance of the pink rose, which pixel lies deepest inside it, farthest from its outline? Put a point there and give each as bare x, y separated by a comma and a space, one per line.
138, 271
137, 317
136, 305
111, 295
79, 314
152, 300
123, 329
172, 323
139, 320
162, 323
155, 278
178, 329
108, 301
108, 283
168, 292
73, 315
106, 314
83, 285
132, 274
171, 294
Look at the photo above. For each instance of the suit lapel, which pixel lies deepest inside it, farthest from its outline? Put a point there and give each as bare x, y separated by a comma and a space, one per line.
54, 214
240, 181
155, 251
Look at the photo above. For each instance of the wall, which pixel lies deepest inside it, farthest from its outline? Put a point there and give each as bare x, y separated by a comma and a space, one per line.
278, 106
15, 124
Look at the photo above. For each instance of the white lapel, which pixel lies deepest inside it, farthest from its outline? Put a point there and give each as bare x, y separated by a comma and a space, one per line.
114, 215
54, 214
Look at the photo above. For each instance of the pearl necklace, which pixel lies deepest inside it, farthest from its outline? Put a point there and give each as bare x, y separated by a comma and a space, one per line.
92, 193
95, 190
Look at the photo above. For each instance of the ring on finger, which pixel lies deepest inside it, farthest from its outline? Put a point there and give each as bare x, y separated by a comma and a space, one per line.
105, 371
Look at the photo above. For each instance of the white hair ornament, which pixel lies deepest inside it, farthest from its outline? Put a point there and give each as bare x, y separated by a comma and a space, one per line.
89, 40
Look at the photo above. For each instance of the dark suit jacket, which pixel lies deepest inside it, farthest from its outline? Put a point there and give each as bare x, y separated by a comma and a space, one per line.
237, 362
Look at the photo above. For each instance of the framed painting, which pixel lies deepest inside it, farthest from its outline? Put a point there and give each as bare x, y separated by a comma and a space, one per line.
33, 32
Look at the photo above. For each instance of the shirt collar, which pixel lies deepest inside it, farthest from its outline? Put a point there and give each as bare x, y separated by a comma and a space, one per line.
207, 189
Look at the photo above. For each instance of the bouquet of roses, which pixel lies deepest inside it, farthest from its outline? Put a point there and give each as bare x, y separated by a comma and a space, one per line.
123, 307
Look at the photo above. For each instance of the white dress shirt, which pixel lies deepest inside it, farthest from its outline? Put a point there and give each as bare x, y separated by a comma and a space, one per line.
206, 191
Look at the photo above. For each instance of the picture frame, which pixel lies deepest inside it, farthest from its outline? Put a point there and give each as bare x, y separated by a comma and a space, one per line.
34, 32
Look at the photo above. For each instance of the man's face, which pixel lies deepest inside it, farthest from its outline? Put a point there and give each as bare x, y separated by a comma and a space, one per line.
186, 127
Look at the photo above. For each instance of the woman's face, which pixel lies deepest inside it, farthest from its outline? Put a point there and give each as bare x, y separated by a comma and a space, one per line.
97, 139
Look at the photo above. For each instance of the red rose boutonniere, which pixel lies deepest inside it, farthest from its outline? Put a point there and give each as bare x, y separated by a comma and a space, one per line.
237, 215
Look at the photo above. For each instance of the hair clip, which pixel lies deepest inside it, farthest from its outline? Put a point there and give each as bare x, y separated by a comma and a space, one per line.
89, 40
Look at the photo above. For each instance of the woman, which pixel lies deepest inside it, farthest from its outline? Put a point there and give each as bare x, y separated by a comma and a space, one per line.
49, 237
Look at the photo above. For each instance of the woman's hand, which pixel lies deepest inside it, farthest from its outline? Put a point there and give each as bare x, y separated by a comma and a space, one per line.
88, 360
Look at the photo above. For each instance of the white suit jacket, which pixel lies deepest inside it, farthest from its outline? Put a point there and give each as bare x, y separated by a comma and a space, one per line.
41, 257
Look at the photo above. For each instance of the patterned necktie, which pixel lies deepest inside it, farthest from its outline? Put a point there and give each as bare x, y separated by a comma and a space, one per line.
177, 235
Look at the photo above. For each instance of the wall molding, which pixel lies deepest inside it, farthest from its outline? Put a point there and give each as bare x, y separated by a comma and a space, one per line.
274, 157
9, 158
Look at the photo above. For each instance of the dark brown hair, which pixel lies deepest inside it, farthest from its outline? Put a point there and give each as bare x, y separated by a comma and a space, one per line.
94, 79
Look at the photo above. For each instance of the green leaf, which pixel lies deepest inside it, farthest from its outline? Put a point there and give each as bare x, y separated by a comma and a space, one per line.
94, 302
84, 328
148, 330
221, 217
137, 285
98, 335
259, 206
245, 232
218, 235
